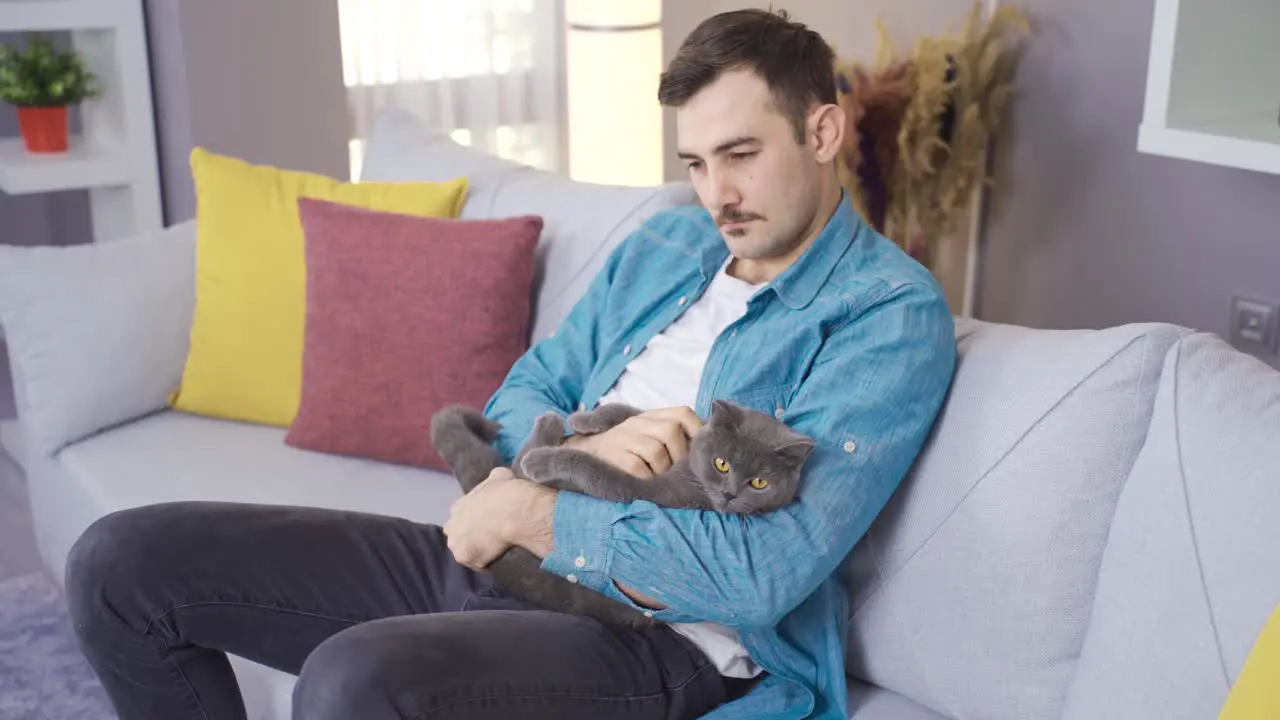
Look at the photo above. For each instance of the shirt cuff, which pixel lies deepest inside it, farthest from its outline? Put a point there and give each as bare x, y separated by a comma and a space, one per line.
582, 531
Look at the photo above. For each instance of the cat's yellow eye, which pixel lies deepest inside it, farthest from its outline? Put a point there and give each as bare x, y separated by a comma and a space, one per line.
759, 483
722, 465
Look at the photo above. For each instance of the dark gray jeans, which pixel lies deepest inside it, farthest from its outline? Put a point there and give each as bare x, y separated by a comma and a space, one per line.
371, 612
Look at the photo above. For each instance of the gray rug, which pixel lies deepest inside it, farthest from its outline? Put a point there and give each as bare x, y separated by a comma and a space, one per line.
43, 676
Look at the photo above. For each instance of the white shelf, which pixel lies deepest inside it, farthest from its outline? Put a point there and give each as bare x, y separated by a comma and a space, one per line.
116, 158
1211, 91
42, 15
80, 168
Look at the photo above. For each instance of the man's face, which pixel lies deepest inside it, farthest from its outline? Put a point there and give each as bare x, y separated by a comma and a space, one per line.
762, 186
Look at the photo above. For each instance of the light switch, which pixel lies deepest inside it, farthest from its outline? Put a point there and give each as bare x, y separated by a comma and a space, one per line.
1254, 325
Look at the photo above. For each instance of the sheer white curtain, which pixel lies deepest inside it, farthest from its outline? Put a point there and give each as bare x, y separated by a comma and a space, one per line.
489, 72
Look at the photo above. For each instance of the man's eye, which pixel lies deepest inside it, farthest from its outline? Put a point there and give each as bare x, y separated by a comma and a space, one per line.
696, 165
742, 155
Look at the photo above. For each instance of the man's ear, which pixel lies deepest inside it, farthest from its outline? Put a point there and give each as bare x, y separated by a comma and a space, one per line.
826, 129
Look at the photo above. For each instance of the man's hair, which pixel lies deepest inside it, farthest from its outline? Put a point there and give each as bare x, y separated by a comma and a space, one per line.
795, 62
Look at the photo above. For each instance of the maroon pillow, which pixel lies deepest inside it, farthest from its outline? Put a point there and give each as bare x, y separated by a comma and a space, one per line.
406, 315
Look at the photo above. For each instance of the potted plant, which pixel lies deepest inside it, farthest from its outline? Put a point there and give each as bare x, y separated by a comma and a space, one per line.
42, 82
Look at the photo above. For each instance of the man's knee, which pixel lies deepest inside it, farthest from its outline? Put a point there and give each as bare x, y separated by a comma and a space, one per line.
372, 671
109, 563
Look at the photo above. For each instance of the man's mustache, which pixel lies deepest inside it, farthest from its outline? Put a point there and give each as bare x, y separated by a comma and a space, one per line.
733, 215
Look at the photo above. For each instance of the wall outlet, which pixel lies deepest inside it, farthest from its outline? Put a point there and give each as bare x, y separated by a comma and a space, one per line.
1255, 325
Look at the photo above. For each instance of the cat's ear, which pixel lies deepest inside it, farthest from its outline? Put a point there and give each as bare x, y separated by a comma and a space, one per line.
796, 451
725, 413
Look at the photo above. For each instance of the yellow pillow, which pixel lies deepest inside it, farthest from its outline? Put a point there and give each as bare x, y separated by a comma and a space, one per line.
1256, 693
245, 359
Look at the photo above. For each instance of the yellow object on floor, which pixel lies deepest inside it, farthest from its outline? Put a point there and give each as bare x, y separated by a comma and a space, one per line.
245, 359
1256, 693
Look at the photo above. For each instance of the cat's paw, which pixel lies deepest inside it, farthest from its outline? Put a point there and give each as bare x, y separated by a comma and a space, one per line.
601, 419
584, 422
538, 465
548, 429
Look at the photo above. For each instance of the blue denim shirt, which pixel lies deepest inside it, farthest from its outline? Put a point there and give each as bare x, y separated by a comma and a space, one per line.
852, 345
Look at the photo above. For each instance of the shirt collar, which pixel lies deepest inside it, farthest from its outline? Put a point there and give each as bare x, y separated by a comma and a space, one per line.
799, 284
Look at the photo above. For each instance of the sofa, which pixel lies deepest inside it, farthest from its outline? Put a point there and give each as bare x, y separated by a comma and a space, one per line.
1092, 531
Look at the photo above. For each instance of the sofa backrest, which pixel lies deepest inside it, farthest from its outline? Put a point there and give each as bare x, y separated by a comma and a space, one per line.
583, 222
1192, 568
971, 592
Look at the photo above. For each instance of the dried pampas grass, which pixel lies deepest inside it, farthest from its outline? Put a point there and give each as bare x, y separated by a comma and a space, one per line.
919, 126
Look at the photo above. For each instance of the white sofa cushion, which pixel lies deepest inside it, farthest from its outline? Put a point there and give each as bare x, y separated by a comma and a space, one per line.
971, 592
175, 456
1192, 570
98, 333
172, 456
583, 221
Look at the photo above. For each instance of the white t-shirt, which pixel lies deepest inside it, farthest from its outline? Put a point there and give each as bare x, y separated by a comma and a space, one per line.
668, 373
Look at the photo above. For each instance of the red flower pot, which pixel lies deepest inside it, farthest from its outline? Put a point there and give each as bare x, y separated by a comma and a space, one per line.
44, 129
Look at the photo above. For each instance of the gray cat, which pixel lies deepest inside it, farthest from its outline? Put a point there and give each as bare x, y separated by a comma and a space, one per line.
741, 461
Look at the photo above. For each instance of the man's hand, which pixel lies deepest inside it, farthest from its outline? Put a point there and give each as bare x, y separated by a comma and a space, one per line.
501, 512
645, 445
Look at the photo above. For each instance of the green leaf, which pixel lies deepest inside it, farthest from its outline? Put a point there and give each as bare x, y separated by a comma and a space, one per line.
42, 75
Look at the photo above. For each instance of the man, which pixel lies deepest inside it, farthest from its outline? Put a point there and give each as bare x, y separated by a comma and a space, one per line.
774, 296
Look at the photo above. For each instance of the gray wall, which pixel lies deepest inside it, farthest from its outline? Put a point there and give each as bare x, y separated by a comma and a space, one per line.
277, 98
58, 218
1086, 232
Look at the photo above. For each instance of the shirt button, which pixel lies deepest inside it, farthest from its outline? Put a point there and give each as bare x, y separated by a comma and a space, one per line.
850, 446
582, 407
571, 578
580, 562
626, 350
779, 412
648, 613
733, 334
683, 299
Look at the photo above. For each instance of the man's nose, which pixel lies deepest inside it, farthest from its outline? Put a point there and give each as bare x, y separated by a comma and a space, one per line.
723, 191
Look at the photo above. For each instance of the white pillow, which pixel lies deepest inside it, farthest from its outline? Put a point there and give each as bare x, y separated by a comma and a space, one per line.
97, 334
583, 222
971, 591
1188, 578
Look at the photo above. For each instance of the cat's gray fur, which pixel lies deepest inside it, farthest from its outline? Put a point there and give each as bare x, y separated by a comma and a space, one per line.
753, 444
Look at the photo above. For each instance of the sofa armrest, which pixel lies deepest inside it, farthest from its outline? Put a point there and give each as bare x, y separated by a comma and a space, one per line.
97, 334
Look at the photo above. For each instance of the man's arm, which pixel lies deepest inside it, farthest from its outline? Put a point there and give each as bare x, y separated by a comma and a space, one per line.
532, 525
551, 375
870, 402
